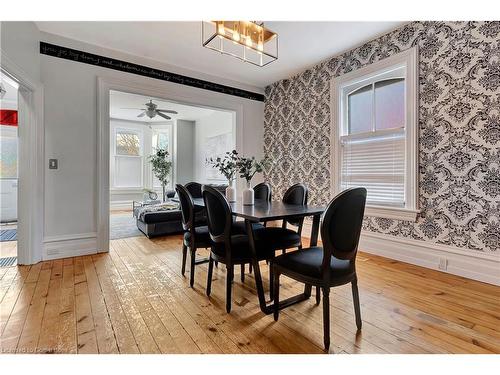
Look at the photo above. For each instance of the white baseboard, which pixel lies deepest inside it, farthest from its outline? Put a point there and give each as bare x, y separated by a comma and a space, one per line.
67, 246
120, 205
467, 263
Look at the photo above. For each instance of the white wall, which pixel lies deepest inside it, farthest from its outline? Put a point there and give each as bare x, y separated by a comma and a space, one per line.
220, 122
185, 136
71, 133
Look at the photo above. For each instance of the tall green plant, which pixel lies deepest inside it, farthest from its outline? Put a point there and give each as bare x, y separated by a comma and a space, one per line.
161, 166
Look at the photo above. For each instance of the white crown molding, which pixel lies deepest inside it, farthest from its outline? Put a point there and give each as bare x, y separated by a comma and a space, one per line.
471, 264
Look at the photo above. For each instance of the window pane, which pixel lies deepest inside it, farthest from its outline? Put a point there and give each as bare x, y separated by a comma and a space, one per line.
390, 104
378, 164
8, 158
128, 172
163, 141
127, 144
360, 104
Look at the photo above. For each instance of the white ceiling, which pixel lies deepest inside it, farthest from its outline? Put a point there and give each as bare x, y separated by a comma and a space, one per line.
301, 44
120, 100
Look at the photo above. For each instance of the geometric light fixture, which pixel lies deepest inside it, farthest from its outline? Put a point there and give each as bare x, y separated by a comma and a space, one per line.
245, 40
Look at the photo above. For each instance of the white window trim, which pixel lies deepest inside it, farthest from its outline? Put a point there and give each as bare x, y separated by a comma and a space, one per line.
141, 156
408, 59
159, 128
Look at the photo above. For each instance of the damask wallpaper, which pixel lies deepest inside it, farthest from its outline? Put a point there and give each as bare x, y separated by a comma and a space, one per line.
459, 130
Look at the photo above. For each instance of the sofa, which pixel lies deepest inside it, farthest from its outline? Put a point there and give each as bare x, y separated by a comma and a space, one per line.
162, 223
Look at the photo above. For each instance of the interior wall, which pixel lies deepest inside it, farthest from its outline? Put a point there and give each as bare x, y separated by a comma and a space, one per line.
71, 133
459, 131
185, 136
219, 122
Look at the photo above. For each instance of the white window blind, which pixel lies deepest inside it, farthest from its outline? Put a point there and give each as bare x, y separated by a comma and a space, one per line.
128, 163
376, 162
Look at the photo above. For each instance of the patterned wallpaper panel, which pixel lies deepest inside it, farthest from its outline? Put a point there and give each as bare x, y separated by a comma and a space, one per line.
459, 126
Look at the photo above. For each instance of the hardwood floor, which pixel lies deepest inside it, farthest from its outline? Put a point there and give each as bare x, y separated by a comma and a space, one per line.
134, 300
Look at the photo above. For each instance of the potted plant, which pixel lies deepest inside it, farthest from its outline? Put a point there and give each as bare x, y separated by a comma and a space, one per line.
248, 167
227, 166
161, 166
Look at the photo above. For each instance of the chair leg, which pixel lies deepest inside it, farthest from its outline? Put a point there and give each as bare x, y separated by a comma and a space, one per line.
276, 293
209, 279
193, 259
271, 278
243, 273
326, 317
229, 280
318, 295
355, 299
184, 256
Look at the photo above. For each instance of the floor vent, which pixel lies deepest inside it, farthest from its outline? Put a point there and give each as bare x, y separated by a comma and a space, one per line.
7, 262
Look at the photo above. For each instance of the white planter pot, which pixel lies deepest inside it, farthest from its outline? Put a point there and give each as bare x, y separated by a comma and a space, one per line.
231, 193
248, 196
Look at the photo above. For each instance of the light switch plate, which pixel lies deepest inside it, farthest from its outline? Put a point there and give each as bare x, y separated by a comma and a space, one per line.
53, 163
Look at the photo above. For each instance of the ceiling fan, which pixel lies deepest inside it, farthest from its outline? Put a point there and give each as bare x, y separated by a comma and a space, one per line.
152, 110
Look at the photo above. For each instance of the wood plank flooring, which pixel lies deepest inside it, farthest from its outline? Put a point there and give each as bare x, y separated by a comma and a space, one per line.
134, 300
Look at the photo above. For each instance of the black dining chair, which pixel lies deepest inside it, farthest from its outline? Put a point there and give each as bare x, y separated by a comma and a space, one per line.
194, 189
228, 248
333, 264
262, 191
282, 238
195, 236
296, 194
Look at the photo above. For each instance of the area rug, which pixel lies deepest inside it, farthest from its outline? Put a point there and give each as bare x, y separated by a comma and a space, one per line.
8, 235
123, 226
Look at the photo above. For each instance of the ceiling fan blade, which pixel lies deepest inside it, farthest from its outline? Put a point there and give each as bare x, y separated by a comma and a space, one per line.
141, 114
137, 109
167, 111
163, 115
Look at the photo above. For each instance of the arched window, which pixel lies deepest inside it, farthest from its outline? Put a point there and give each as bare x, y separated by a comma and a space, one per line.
375, 135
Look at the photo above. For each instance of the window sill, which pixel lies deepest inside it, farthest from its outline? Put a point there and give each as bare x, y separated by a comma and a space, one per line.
394, 213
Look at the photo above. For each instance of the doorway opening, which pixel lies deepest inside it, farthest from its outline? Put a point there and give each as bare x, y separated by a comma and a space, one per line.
9, 176
139, 127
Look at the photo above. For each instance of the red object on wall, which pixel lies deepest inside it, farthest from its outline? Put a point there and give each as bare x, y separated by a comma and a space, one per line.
8, 117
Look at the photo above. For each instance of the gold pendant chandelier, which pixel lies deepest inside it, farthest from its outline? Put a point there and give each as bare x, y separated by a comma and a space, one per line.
246, 40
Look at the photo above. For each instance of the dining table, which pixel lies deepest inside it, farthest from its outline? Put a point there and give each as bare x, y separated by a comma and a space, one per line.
263, 211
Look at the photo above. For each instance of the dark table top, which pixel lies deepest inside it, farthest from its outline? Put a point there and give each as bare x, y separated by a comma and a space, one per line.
266, 211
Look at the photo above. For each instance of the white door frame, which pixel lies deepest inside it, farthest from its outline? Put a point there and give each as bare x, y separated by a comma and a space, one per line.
158, 89
31, 157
